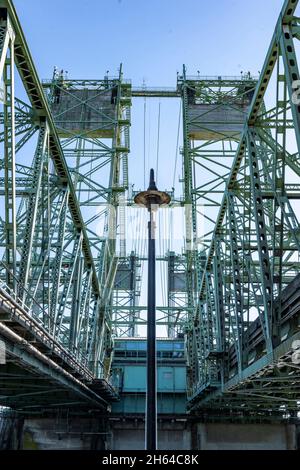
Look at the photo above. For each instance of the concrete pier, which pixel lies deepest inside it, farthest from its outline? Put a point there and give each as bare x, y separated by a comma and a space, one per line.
119, 433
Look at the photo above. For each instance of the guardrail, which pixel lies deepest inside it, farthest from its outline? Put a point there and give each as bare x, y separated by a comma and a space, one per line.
22, 315
34, 320
244, 77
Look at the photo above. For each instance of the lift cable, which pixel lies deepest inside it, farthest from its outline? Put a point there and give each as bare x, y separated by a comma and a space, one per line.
157, 150
164, 243
149, 143
177, 145
145, 109
161, 254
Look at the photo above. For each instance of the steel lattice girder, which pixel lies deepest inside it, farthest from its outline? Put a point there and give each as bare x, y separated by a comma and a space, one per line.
39, 103
49, 268
97, 143
256, 236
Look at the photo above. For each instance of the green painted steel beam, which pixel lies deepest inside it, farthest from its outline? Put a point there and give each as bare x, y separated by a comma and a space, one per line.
41, 364
285, 16
38, 100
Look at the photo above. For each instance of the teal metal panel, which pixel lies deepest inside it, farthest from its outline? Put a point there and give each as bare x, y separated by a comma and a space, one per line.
130, 404
169, 379
165, 379
135, 404
171, 404
134, 379
180, 379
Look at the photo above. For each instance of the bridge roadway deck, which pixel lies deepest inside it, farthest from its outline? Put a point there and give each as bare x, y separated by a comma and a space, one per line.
269, 381
38, 372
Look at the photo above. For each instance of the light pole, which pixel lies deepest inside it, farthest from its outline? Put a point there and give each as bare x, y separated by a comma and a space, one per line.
151, 200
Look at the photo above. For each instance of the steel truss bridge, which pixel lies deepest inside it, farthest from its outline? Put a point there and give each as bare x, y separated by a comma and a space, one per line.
66, 291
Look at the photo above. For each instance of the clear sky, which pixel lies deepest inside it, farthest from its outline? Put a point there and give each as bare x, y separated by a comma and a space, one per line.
153, 38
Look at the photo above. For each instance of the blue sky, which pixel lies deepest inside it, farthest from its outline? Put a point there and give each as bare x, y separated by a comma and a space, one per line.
152, 38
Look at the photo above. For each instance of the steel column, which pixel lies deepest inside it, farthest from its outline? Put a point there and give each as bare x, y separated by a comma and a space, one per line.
151, 416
